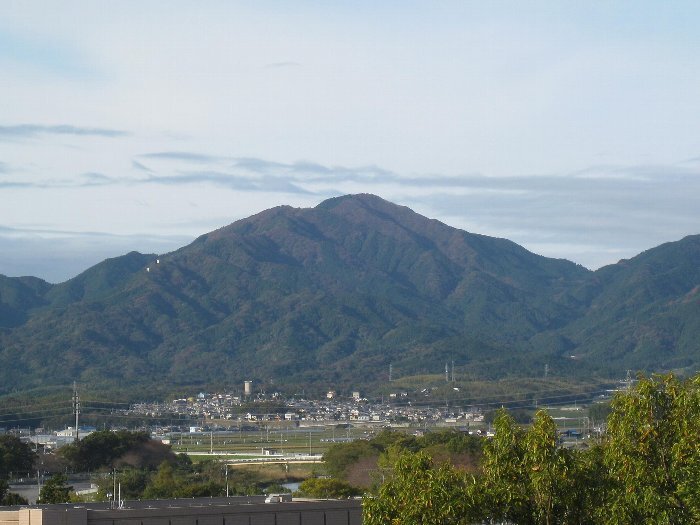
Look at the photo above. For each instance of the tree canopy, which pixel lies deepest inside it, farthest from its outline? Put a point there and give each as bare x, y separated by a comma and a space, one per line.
55, 490
107, 449
15, 456
646, 469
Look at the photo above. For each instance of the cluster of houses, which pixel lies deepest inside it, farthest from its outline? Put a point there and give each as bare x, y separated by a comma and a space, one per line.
220, 408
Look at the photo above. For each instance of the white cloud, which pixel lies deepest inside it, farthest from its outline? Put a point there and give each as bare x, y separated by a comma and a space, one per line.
153, 118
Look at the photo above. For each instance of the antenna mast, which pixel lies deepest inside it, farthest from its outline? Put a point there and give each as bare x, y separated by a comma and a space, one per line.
76, 410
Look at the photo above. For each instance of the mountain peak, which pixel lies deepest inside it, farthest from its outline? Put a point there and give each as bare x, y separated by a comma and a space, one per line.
334, 293
366, 199
362, 201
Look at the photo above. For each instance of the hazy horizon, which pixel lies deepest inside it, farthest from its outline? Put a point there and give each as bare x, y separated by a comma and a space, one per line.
572, 130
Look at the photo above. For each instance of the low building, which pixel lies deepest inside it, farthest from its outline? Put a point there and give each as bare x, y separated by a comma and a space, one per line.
198, 511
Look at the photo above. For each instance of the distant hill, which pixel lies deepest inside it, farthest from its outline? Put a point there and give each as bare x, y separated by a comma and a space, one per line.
330, 296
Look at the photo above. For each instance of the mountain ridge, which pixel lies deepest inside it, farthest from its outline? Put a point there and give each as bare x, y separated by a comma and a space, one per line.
313, 295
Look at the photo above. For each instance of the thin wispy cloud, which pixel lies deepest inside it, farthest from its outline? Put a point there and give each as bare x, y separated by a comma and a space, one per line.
279, 65
599, 181
186, 156
598, 214
28, 131
96, 179
422, 110
257, 165
593, 219
140, 166
83, 180
232, 181
18, 184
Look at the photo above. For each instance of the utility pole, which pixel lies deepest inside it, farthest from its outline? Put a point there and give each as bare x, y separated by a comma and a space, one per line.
76, 410
390, 371
447, 374
453, 370
226, 467
546, 370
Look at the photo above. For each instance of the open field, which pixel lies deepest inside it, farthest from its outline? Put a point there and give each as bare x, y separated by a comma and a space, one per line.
274, 438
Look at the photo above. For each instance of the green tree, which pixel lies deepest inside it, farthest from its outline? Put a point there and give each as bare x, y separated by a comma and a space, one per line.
652, 454
109, 449
55, 490
599, 412
589, 483
647, 470
529, 479
548, 467
163, 484
15, 456
10, 498
505, 480
327, 488
417, 491
132, 482
340, 456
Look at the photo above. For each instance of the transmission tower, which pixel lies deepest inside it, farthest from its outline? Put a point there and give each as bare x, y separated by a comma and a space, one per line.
76, 410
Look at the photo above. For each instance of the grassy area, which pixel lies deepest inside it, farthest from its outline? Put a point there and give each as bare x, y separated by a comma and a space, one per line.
252, 442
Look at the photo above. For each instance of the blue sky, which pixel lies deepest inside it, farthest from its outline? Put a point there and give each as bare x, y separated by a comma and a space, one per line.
573, 130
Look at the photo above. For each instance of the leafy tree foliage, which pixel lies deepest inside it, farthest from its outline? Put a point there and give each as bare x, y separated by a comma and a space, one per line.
504, 476
652, 453
55, 490
646, 470
420, 492
548, 467
164, 483
340, 456
327, 488
599, 412
15, 456
447, 444
10, 498
183, 481
114, 449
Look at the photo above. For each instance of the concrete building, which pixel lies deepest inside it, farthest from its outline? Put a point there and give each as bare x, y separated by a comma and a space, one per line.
199, 511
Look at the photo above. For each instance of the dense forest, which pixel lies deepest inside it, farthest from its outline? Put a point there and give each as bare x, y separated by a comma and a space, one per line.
307, 298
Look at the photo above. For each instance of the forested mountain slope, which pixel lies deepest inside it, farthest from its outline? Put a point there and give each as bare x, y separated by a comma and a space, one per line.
331, 295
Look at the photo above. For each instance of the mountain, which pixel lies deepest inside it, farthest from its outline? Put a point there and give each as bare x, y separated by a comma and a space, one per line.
644, 312
330, 296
